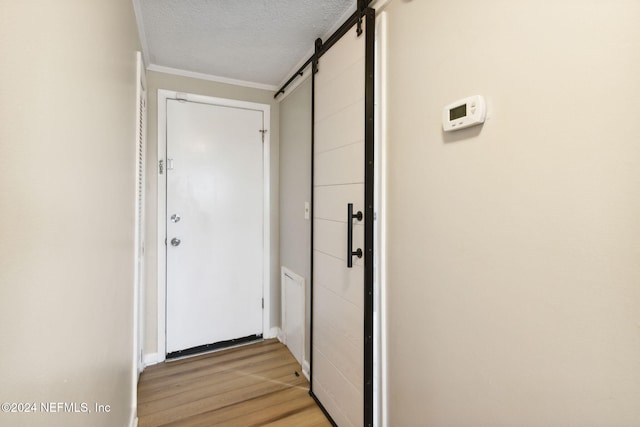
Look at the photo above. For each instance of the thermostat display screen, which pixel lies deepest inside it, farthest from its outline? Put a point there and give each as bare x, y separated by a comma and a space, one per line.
465, 112
458, 112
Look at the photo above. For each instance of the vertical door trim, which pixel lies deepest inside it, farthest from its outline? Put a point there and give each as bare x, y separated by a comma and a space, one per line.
380, 236
140, 147
163, 96
369, 206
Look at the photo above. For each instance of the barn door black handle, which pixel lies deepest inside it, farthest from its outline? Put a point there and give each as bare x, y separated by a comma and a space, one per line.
350, 251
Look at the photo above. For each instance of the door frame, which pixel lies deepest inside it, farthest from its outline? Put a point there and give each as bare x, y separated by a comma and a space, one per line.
163, 96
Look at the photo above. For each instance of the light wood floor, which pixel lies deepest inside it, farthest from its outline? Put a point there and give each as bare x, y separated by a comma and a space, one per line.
255, 385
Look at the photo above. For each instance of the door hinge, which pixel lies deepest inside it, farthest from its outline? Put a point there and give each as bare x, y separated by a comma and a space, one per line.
161, 166
263, 131
262, 302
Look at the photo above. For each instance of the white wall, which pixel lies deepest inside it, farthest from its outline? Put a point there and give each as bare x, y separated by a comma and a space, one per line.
155, 81
295, 187
513, 279
67, 179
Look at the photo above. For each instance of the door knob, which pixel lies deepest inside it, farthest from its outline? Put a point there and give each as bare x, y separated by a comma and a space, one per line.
175, 241
175, 218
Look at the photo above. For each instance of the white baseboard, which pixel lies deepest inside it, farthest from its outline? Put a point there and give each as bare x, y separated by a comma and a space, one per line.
281, 336
133, 422
273, 333
306, 369
151, 359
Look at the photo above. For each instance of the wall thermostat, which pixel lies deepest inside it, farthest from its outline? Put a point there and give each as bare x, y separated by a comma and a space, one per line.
466, 112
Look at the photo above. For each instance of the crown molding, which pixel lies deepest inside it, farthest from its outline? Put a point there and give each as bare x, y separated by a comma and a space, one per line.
209, 77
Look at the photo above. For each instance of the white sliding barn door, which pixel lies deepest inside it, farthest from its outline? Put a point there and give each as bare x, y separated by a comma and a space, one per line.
339, 302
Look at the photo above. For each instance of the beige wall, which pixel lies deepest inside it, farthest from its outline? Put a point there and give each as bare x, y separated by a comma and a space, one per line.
513, 249
157, 81
67, 179
295, 187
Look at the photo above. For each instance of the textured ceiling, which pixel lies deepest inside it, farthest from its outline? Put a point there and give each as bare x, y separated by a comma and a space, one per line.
258, 41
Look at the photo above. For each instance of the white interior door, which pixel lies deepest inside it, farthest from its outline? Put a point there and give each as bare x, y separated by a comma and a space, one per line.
338, 370
214, 225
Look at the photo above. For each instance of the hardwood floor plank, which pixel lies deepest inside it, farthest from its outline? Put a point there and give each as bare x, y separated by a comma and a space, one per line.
251, 412
253, 385
237, 389
201, 405
310, 419
170, 371
203, 378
